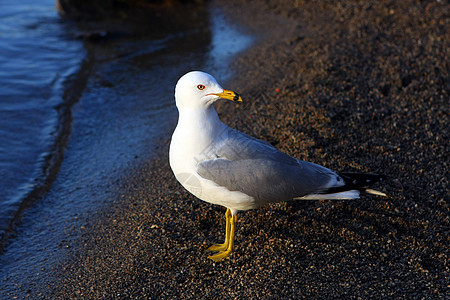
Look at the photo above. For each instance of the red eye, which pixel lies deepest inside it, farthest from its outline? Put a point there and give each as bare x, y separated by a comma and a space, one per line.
201, 87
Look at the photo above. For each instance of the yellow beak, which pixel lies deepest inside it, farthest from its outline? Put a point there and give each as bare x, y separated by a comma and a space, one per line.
230, 95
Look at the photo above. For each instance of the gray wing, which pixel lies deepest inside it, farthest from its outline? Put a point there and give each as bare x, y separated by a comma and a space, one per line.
257, 169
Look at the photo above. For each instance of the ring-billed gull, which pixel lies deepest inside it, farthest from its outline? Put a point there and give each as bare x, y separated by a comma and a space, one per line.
223, 166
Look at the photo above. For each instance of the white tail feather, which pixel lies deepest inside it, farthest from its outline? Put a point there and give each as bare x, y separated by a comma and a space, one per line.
353, 194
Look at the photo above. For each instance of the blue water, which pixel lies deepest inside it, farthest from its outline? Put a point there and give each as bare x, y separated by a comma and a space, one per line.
105, 104
37, 56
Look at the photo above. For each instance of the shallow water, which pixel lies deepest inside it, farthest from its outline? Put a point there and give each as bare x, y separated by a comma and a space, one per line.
120, 94
37, 56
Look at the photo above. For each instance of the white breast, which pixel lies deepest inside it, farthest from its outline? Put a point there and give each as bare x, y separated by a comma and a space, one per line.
193, 144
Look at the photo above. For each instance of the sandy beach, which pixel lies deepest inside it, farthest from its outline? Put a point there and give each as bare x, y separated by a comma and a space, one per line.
356, 87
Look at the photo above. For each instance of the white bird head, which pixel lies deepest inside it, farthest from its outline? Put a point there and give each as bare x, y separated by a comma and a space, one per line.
199, 90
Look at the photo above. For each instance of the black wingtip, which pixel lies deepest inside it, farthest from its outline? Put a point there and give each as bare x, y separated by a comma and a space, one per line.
358, 181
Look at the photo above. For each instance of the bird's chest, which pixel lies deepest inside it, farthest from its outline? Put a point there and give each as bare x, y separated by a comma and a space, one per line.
188, 148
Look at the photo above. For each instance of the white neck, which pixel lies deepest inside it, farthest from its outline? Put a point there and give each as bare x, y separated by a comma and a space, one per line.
195, 132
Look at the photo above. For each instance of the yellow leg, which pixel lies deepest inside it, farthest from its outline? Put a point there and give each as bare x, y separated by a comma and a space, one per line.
226, 248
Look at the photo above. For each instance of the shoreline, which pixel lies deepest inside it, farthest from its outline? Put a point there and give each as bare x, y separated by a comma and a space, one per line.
152, 243
54, 158
320, 94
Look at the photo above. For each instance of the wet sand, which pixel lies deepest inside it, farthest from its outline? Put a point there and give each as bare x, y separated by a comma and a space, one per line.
355, 88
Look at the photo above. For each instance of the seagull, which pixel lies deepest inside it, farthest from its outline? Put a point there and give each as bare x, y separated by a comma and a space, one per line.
223, 166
